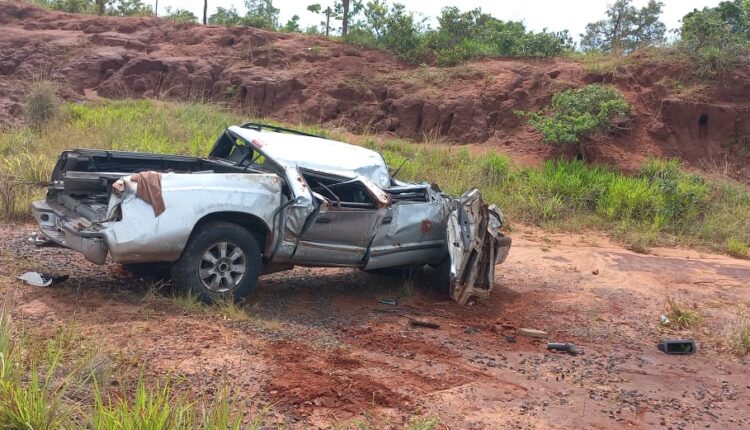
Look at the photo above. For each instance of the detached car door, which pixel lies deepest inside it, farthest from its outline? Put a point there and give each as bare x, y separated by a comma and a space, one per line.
475, 245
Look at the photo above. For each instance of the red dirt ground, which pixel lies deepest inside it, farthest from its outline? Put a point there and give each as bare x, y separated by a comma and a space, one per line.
318, 353
312, 79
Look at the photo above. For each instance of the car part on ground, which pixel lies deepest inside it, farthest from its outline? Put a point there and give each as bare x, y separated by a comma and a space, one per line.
678, 346
41, 279
267, 199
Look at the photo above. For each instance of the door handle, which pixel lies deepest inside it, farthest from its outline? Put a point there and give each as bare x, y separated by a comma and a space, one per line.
322, 220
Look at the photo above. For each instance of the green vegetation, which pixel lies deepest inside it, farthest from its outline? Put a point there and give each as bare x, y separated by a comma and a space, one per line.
682, 315
101, 7
53, 384
739, 335
259, 14
578, 112
625, 29
181, 15
661, 205
460, 36
737, 248
714, 38
41, 104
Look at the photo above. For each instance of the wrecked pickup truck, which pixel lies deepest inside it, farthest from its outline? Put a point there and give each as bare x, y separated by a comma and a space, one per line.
266, 199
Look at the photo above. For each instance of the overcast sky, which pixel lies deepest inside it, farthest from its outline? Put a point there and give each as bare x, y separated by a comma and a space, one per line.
554, 15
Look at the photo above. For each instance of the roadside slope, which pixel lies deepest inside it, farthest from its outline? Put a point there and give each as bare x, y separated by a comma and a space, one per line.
301, 78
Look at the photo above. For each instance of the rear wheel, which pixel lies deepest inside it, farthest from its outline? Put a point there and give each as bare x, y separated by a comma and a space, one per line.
221, 261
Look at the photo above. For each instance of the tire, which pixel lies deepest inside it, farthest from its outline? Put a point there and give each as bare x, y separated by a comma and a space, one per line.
441, 276
233, 273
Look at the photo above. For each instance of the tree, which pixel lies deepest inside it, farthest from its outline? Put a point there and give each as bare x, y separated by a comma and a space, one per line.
70, 6
626, 28
728, 19
261, 14
101, 6
292, 26
316, 8
181, 15
131, 8
228, 16
715, 38
345, 17
376, 14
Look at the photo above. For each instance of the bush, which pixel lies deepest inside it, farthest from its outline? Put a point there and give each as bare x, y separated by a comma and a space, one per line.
737, 248
682, 315
578, 112
41, 105
715, 38
680, 197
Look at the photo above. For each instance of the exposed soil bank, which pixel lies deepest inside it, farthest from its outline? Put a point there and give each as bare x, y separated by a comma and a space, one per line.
295, 78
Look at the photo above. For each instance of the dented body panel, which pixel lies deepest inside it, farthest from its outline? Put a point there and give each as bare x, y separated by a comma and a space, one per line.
310, 201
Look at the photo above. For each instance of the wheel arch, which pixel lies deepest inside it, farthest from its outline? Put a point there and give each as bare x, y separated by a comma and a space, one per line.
252, 223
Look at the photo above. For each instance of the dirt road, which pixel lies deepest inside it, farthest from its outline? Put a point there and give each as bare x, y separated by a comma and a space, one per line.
317, 351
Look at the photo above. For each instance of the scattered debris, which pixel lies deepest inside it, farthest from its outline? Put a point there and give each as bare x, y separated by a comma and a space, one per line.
510, 339
563, 347
413, 321
472, 330
664, 320
595, 272
39, 240
390, 302
426, 324
41, 279
677, 346
530, 332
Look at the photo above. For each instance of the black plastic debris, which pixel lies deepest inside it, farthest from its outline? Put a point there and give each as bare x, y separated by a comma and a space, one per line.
677, 346
563, 347
41, 279
425, 324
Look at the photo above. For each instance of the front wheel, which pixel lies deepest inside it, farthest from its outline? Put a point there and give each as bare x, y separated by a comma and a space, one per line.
221, 261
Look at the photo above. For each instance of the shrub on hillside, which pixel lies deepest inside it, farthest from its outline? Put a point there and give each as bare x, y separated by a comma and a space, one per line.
714, 38
41, 103
578, 112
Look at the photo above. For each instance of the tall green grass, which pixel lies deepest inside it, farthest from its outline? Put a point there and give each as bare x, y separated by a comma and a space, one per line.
661, 205
37, 391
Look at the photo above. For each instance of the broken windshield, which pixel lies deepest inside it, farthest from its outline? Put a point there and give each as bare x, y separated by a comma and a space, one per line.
236, 150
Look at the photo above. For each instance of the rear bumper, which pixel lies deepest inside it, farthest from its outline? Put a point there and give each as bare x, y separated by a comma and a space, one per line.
69, 229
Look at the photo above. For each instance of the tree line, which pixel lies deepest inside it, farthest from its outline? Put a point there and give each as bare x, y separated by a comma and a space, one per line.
715, 37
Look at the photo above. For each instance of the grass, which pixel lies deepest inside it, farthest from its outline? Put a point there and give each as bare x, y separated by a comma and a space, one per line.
231, 310
681, 315
43, 387
661, 205
737, 248
739, 336
41, 104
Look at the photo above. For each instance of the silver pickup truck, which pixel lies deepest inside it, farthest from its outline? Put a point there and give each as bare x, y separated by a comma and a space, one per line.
267, 199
